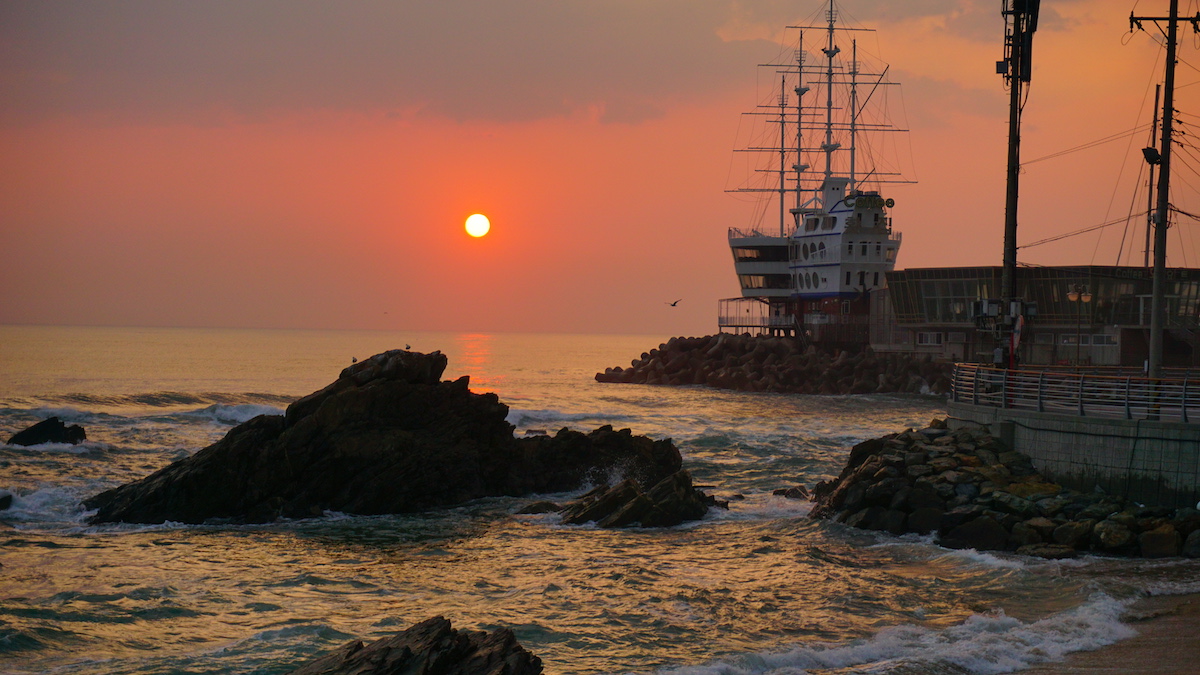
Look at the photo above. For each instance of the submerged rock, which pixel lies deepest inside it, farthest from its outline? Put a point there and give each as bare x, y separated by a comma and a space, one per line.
386, 437
50, 430
431, 647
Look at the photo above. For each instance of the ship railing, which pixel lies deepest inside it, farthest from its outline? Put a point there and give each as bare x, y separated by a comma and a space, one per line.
739, 233
1175, 399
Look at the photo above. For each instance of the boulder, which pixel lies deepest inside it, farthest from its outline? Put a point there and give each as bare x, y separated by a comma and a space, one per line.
386, 437
982, 534
1191, 546
432, 647
50, 430
1161, 542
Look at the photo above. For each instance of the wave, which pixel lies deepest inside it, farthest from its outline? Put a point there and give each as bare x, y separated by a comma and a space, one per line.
984, 644
79, 406
233, 414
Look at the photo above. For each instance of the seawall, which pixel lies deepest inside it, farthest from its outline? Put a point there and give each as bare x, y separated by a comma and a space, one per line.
1148, 461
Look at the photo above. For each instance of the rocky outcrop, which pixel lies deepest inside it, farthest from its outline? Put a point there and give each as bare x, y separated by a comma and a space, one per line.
775, 364
973, 492
50, 430
431, 647
671, 501
386, 437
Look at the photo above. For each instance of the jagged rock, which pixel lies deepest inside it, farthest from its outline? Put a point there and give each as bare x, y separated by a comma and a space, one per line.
49, 430
671, 501
386, 437
431, 647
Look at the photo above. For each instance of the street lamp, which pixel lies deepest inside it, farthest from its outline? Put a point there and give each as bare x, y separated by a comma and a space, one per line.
1080, 294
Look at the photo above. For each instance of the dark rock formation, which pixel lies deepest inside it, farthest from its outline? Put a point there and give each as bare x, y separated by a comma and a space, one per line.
670, 502
760, 363
975, 493
431, 647
386, 437
51, 430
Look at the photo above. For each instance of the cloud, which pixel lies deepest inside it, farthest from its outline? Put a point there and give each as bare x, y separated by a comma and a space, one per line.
167, 60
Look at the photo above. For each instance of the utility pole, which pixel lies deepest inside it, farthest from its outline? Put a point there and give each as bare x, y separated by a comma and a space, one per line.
1158, 309
1020, 18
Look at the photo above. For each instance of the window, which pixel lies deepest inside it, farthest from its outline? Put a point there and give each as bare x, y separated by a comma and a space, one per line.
846, 305
830, 221
929, 339
849, 251
891, 254
878, 249
864, 249
1068, 339
876, 283
862, 278
847, 279
810, 224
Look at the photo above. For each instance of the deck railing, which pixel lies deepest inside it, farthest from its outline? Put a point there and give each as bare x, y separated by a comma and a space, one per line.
1054, 391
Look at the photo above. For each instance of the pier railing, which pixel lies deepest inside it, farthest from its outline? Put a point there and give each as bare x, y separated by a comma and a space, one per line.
1085, 395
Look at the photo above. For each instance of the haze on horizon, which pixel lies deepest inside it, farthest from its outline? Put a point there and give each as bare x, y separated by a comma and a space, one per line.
304, 164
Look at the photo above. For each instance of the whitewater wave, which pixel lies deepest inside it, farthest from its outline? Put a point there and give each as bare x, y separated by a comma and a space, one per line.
984, 644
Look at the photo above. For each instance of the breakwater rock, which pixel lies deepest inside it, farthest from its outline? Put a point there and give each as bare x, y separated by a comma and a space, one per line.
973, 492
432, 647
386, 437
775, 364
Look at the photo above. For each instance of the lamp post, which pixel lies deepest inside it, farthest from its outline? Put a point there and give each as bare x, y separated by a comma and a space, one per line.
1080, 294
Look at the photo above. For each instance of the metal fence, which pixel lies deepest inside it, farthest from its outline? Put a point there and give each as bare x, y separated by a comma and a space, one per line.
1085, 395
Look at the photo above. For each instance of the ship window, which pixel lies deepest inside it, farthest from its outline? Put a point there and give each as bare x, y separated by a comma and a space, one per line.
877, 250
891, 254
830, 221
846, 305
876, 283
849, 251
810, 224
804, 251
847, 279
864, 248
862, 278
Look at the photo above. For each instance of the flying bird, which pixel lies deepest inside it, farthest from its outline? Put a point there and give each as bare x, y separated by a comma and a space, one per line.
674, 304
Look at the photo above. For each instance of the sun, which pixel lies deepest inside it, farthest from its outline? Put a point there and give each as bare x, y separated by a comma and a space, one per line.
478, 225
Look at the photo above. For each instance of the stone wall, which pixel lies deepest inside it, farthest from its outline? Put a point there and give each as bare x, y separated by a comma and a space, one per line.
1148, 461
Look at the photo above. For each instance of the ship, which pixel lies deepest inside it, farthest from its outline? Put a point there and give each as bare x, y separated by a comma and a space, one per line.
812, 275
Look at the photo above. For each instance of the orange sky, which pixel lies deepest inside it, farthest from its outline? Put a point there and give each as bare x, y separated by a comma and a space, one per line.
309, 165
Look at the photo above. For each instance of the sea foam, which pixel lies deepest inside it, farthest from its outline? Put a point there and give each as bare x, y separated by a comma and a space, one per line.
984, 644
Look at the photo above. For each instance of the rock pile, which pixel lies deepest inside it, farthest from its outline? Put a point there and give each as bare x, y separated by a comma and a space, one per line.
431, 646
386, 437
774, 364
974, 492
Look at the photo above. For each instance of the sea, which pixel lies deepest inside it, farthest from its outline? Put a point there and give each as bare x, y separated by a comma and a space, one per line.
757, 589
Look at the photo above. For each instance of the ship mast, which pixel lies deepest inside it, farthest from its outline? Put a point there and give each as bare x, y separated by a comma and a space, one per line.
831, 51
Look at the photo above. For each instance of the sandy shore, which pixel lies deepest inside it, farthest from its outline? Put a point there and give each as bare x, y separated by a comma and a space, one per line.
1167, 643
